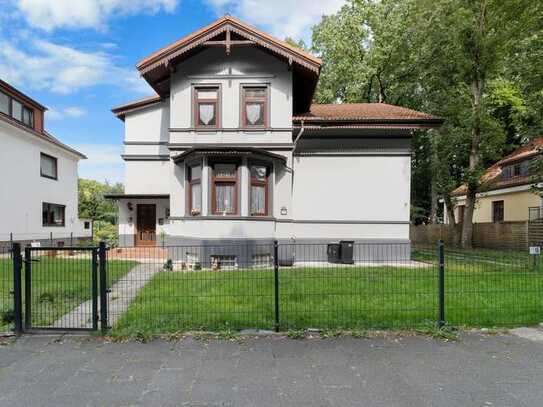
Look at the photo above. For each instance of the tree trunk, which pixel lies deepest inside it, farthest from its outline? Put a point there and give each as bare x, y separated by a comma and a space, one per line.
433, 185
382, 94
477, 85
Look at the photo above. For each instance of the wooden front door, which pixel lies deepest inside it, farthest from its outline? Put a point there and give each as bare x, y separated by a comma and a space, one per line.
146, 225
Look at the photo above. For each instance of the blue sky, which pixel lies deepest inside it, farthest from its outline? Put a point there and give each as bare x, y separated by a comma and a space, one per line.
77, 57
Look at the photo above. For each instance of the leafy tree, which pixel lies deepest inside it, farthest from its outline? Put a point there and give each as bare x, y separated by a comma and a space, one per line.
474, 37
93, 205
366, 52
462, 60
103, 212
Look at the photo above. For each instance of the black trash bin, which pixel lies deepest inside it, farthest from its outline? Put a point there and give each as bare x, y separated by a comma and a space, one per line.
346, 251
333, 251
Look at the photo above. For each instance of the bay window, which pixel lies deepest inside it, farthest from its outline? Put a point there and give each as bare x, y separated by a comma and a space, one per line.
254, 106
206, 106
224, 189
259, 190
195, 189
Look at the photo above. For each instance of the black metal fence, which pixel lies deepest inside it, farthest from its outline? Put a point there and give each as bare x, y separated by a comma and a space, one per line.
268, 286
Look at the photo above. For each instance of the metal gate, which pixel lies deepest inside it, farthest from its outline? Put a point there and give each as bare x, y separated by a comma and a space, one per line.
57, 288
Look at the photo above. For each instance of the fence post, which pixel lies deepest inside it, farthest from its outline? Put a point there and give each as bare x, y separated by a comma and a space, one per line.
276, 281
28, 288
51, 239
72, 239
102, 264
95, 289
441, 283
17, 289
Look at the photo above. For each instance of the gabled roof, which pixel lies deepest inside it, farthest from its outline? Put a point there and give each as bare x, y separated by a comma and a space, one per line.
491, 178
230, 32
167, 53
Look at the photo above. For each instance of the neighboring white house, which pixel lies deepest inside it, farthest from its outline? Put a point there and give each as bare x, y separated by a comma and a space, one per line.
232, 150
38, 176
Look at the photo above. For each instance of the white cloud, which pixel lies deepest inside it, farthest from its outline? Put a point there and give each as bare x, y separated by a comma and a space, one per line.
284, 18
70, 112
62, 69
104, 162
51, 14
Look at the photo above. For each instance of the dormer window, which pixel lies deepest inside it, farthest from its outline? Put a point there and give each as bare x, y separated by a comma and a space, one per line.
206, 106
254, 111
17, 110
4, 103
520, 169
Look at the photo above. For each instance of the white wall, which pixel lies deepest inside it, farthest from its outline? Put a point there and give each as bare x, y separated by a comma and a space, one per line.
149, 124
23, 190
213, 67
370, 187
147, 177
363, 188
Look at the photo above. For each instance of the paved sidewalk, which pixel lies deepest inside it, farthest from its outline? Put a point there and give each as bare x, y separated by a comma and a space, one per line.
416, 371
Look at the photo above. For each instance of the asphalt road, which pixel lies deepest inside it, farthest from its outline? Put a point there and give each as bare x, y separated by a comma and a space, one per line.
477, 370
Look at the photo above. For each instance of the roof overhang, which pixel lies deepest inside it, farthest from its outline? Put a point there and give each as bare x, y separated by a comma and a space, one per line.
136, 196
44, 136
250, 152
228, 32
20, 95
121, 110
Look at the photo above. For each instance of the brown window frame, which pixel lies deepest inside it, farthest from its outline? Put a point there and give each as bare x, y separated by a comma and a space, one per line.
502, 210
265, 184
264, 100
191, 182
224, 180
46, 223
55, 159
196, 102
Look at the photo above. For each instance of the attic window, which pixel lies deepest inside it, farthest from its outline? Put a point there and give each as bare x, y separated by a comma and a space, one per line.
520, 169
206, 106
16, 110
254, 106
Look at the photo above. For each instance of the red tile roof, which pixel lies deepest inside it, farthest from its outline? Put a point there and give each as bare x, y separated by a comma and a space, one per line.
491, 178
362, 112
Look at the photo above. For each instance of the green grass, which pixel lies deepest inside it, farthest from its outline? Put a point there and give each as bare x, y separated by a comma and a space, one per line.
482, 289
58, 286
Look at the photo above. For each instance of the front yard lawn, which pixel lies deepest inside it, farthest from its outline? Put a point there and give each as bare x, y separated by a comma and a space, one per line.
58, 286
479, 292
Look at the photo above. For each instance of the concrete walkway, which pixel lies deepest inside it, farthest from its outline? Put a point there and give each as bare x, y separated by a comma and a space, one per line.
121, 295
387, 371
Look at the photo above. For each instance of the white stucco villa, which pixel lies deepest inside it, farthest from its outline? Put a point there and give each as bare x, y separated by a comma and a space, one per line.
231, 149
38, 176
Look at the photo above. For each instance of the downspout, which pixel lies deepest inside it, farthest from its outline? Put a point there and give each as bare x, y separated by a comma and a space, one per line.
292, 180
293, 151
